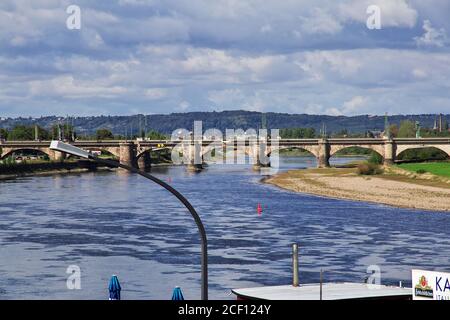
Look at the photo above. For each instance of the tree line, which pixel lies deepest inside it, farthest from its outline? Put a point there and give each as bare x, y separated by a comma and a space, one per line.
68, 132
406, 129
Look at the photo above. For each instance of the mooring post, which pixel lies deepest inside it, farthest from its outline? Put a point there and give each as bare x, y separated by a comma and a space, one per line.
295, 265
321, 283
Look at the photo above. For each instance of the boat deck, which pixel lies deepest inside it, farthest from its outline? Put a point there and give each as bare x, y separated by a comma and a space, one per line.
330, 291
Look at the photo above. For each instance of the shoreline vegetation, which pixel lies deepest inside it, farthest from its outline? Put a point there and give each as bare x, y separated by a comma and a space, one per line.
47, 168
44, 168
395, 187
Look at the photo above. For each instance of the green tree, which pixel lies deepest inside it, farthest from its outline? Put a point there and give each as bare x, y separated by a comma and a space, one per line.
43, 134
3, 133
407, 129
422, 154
67, 131
104, 134
341, 134
21, 133
155, 135
375, 158
297, 133
393, 129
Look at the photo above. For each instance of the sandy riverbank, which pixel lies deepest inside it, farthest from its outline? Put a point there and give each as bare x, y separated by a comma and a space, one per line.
392, 188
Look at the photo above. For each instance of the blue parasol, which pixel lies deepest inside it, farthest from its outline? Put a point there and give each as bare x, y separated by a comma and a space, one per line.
177, 294
114, 288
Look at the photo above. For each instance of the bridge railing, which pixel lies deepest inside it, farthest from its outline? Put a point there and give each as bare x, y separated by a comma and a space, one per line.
443, 140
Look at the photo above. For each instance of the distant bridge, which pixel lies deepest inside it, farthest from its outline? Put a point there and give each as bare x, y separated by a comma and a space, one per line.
137, 153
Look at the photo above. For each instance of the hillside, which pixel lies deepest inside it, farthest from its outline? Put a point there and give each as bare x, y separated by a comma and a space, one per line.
167, 123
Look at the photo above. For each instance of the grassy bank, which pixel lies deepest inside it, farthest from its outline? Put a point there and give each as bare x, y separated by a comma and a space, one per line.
437, 168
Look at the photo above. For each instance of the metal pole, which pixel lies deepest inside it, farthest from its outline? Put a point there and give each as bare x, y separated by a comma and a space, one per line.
321, 282
198, 221
295, 265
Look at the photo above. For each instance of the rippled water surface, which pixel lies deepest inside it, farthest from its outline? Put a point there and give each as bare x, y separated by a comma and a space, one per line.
116, 223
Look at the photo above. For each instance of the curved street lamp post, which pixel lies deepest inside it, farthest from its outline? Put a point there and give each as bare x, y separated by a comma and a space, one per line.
68, 148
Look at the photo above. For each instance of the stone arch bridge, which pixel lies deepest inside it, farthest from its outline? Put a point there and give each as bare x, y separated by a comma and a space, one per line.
137, 153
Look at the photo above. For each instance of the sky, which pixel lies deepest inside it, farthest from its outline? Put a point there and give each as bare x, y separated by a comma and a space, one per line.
291, 56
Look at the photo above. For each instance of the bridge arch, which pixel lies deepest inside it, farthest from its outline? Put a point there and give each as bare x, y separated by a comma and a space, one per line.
6, 152
313, 150
113, 151
402, 148
210, 152
149, 151
209, 148
379, 149
248, 151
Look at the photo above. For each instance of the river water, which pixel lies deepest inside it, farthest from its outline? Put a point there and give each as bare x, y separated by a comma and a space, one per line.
117, 223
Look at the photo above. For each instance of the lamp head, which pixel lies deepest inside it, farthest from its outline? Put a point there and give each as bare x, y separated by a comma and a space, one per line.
68, 148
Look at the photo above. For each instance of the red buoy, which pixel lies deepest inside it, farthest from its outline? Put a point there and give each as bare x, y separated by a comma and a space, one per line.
259, 209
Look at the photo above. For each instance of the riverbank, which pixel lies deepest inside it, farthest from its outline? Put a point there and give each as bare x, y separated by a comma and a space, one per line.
56, 168
394, 187
50, 172
44, 168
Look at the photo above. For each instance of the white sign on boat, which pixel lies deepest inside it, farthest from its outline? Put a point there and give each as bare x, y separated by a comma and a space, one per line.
430, 285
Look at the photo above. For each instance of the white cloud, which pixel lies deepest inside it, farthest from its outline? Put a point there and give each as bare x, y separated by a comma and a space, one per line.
321, 22
419, 73
312, 56
394, 13
267, 28
184, 105
209, 61
18, 41
431, 37
354, 105
156, 93
226, 97
69, 88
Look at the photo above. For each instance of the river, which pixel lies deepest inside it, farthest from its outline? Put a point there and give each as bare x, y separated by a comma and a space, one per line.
117, 223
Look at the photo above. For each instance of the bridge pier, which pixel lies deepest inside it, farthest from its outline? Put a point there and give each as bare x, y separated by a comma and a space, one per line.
323, 160
256, 157
56, 155
127, 154
194, 167
389, 152
195, 157
259, 154
145, 162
